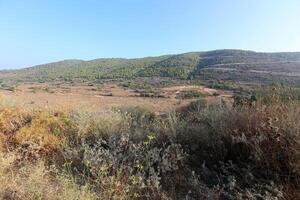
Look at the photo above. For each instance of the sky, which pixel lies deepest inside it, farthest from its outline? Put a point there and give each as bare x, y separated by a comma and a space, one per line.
40, 31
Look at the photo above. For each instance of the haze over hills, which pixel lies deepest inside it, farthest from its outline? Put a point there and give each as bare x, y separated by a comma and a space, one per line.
225, 65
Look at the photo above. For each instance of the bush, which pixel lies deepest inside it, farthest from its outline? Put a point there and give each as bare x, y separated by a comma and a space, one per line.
202, 151
190, 94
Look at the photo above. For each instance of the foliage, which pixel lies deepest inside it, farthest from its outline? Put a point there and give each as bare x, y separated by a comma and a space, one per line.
226, 66
189, 94
203, 151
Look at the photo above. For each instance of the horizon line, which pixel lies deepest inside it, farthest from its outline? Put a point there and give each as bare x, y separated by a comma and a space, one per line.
132, 58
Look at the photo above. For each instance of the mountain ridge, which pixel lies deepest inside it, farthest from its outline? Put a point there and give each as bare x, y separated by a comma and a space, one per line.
226, 65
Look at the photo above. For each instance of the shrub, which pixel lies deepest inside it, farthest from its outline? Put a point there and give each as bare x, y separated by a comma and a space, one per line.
258, 141
189, 94
202, 151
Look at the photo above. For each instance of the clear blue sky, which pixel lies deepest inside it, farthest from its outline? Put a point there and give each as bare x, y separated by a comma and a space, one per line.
40, 31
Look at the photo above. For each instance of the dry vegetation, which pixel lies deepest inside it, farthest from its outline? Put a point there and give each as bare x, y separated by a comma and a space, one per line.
99, 97
250, 150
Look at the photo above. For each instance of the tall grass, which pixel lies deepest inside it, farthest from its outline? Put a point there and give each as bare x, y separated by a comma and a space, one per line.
247, 151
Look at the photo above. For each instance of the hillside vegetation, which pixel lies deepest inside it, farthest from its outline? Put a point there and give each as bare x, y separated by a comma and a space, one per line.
220, 65
248, 150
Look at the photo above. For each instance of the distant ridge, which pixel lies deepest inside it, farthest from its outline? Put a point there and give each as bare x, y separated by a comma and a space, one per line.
225, 65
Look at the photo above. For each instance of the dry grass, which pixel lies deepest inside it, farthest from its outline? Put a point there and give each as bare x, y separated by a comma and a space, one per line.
250, 151
35, 181
87, 98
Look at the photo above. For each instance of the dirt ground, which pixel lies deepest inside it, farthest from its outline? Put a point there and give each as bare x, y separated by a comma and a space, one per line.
99, 98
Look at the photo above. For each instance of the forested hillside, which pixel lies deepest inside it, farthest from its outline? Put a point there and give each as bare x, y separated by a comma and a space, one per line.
219, 65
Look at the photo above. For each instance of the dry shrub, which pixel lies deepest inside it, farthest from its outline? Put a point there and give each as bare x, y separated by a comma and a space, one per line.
267, 135
247, 151
34, 181
11, 120
119, 168
254, 142
45, 129
91, 126
33, 132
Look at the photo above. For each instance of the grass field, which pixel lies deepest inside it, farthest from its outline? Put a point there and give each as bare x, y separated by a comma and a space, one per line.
212, 146
104, 97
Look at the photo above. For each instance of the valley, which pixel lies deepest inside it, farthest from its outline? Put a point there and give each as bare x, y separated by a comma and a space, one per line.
105, 97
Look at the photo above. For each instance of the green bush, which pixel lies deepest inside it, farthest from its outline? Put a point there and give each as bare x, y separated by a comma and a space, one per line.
190, 94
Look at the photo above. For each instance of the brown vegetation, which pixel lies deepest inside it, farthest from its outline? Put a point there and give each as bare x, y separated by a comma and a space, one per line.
202, 151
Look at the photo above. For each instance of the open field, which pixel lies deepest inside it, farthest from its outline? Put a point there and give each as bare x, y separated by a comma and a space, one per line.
208, 125
201, 150
106, 96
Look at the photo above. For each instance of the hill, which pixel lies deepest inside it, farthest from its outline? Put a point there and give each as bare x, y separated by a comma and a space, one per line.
248, 66
219, 65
